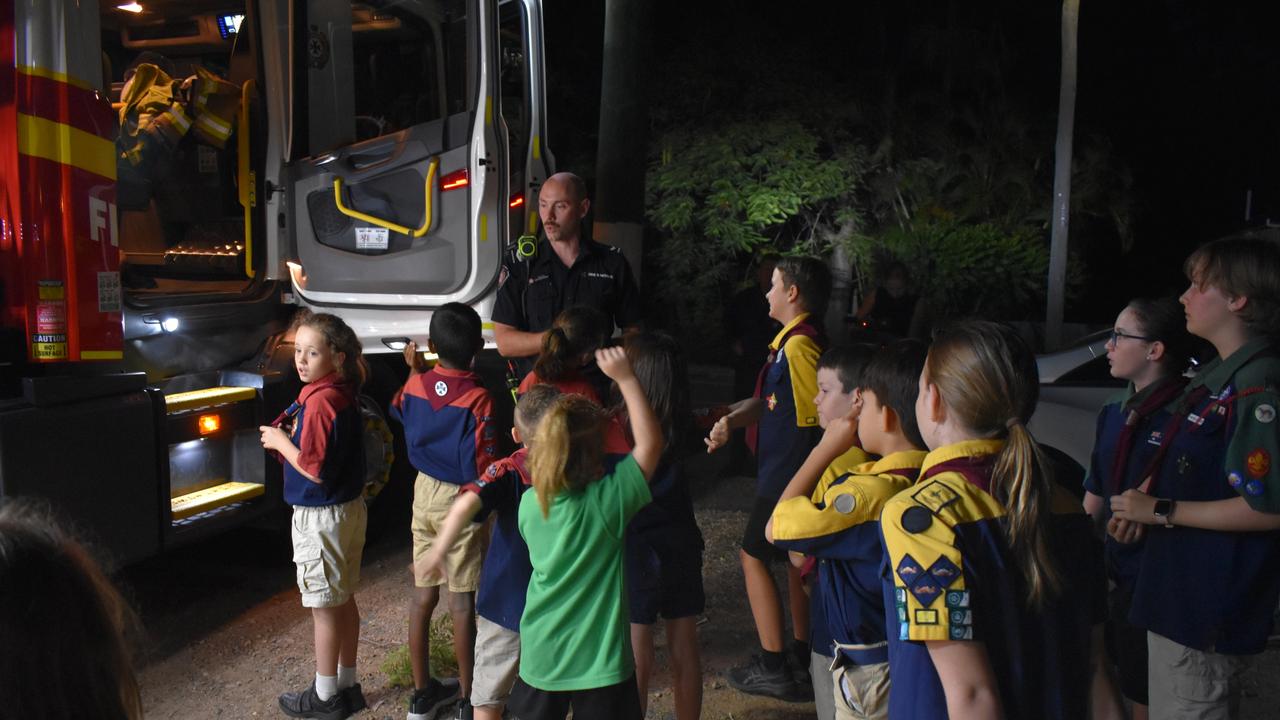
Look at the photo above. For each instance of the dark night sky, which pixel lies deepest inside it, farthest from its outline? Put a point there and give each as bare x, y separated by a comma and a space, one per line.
1182, 91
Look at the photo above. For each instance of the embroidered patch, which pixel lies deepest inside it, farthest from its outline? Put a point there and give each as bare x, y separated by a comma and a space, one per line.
441, 388
925, 591
958, 599
1254, 487
1258, 462
926, 617
961, 617
916, 519
944, 571
772, 402
493, 470
959, 632
845, 503
909, 570
1264, 413
1234, 479
935, 496
1155, 438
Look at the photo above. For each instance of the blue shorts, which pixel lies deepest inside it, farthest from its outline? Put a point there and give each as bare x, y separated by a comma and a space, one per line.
666, 584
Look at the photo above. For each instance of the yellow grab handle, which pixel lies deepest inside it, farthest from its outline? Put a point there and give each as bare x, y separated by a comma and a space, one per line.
403, 230
244, 174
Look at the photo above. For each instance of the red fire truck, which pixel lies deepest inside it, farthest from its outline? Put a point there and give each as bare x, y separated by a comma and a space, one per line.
179, 176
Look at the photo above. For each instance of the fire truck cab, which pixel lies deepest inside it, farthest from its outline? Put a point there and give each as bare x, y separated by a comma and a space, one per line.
179, 176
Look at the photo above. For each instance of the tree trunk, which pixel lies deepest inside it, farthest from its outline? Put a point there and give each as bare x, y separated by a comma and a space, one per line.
1062, 177
624, 122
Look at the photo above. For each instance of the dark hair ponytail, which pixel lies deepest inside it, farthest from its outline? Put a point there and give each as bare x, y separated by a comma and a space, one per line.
577, 332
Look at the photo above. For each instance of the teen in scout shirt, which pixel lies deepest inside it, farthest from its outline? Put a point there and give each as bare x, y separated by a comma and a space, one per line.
1210, 574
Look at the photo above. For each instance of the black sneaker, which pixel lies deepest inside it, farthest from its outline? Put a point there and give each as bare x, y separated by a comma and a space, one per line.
463, 711
756, 679
307, 704
355, 698
800, 673
429, 700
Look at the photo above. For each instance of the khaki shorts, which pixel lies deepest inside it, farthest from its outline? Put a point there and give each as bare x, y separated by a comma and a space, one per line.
431, 502
861, 691
328, 542
497, 663
1187, 684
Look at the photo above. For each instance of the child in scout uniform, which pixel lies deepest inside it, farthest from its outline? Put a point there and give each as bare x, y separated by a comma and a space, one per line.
1210, 574
782, 427
451, 439
1149, 348
991, 601
839, 523
318, 439
505, 577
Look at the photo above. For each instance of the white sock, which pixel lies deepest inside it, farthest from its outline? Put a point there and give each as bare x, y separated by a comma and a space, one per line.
326, 686
346, 677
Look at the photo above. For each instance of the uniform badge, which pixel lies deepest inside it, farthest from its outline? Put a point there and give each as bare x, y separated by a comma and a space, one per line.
845, 503
935, 496
441, 388
493, 470
1258, 462
1254, 488
772, 401
916, 519
1156, 438
1264, 413
944, 571
1234, 479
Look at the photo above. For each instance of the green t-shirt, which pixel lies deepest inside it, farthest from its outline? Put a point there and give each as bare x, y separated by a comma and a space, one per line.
574, 634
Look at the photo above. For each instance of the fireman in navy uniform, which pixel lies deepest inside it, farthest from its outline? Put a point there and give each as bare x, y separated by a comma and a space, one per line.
566, 270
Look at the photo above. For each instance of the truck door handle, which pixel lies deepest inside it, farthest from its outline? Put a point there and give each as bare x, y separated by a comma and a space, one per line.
427, 209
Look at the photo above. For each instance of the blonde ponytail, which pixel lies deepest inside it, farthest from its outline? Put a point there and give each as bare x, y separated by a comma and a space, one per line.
568, 449
988, 379
1021, 481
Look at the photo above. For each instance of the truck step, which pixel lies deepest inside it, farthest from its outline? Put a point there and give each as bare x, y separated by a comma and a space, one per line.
209, 397
194, 503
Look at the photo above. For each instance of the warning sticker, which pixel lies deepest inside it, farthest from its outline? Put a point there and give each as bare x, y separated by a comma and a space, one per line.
371, 238
49, 346
50, 290
108, 292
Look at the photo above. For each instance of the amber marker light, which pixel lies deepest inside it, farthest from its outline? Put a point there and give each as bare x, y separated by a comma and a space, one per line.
210, 424
517, 200
454, 180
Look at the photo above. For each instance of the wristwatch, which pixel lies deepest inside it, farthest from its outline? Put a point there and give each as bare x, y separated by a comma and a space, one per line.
1164, 511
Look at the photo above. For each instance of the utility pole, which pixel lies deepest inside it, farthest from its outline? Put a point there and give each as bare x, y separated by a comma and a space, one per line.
622, 155
1062, 178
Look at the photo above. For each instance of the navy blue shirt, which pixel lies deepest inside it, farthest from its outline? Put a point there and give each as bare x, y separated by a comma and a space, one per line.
328, 432
1206, 589
788, 428
448, 424
504, 577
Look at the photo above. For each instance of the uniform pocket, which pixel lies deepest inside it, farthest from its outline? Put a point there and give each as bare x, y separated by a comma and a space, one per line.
1200, 678
311, 574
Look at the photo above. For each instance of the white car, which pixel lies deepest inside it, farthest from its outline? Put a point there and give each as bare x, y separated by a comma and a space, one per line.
1074, 385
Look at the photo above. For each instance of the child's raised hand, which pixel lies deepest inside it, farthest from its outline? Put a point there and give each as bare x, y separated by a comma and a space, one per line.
415, 361
613, 363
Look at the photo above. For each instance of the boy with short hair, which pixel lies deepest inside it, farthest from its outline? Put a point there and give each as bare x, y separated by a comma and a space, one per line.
782, 427
505, 579
839, 522
449, 432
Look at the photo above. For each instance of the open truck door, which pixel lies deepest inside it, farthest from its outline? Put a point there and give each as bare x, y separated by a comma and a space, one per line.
401, 178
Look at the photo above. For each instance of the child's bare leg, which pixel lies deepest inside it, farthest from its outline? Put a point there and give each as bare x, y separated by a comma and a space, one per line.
421, 607
487, 712
766, 604
642, 649
327, 624
799, 600
462, 607
350, 633
686, 666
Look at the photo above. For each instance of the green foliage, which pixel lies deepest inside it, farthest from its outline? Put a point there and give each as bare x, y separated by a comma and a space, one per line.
722, 190
398, 666
964, 269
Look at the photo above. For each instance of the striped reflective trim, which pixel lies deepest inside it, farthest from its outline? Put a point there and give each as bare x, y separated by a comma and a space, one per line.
54, 75
214, 126
180, 119
64, 144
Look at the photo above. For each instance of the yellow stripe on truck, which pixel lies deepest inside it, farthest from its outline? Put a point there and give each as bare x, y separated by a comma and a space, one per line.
60, 143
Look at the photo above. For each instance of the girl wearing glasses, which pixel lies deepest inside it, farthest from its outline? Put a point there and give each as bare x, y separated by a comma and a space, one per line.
1149, 347
1210, 572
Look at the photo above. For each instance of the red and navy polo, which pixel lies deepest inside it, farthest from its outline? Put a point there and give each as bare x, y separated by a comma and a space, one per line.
504, 577
448, 424
327, 430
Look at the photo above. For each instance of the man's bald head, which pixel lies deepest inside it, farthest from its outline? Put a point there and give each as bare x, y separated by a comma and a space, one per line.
562, 203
